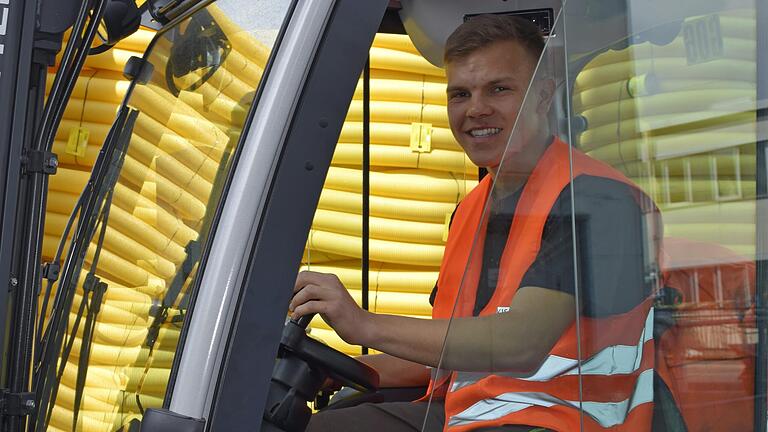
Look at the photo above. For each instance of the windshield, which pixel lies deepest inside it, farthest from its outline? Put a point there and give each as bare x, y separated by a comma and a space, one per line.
606, 279
146, 217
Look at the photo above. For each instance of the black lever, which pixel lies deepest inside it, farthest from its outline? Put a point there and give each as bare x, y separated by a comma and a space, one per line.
304, 321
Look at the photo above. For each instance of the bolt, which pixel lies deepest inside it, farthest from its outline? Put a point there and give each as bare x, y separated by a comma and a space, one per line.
14, 281
53, 162
30, 404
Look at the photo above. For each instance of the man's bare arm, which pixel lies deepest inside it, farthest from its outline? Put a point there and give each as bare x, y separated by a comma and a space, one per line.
396, 372
518, 340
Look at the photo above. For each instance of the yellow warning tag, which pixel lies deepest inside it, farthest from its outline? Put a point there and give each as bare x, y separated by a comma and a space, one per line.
446, 226
77, 142
421, 137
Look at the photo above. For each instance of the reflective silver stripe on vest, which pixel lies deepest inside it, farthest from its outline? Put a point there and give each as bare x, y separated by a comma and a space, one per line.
607, 414
612, 360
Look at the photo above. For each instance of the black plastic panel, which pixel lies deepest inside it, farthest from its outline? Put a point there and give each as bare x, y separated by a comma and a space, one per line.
544, 18
161, 420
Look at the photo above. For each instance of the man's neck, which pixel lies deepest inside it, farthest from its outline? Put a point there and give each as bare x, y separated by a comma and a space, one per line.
508, 182
507, 185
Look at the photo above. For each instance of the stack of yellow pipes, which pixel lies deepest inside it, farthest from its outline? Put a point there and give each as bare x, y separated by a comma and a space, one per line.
88, 116
418, 175
684, 128
159, 202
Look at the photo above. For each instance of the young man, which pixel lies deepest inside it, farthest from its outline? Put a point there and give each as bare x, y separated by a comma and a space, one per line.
506, 303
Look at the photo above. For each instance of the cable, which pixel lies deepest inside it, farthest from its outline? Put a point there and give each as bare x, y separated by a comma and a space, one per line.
49, 286
97, 293
67, 58
366, 190
71, 63
105, 174
46, 120
65, 83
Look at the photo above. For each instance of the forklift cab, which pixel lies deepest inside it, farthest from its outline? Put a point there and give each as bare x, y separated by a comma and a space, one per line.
258, 138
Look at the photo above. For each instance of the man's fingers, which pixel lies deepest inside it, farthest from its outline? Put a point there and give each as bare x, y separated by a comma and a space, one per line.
310, 307
314, 278
310, 292
305, 278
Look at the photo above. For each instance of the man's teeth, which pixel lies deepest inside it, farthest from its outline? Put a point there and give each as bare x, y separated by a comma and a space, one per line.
479, 133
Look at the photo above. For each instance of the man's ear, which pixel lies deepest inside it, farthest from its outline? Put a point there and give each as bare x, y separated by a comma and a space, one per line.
546, 91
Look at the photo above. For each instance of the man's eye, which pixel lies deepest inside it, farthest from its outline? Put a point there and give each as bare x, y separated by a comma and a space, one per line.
459, 95
499, 89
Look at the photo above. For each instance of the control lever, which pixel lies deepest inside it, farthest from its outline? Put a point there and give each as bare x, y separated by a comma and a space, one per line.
304, 321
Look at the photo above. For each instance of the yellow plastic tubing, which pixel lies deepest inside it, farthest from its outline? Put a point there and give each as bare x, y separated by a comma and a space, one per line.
166, 181
161, 195
413, 190
140, 254
648, 90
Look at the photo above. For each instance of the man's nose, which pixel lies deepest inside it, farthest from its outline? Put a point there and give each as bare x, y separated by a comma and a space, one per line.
479, 107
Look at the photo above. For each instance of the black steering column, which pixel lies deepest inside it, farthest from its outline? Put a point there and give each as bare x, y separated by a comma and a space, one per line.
303, 364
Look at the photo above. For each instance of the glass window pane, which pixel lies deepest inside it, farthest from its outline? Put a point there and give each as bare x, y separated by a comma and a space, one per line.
508, 285
673, 105
118, 339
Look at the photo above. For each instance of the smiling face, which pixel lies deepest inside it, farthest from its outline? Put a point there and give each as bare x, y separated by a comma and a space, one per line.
485, 95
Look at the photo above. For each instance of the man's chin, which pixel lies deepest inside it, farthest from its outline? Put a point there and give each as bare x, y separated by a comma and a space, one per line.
492, 164
486, 163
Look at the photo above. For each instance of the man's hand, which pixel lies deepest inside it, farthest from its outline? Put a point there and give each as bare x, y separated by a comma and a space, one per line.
325, 294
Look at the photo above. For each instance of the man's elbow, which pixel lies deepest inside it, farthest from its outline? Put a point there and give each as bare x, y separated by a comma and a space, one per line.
535, 358
525, 361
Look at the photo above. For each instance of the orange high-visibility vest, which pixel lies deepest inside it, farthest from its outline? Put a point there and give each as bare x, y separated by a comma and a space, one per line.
616, 351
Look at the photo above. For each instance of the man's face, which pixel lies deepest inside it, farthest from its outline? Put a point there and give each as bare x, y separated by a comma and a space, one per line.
485, 95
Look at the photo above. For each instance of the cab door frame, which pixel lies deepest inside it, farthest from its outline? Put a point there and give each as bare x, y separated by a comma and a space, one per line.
231, 343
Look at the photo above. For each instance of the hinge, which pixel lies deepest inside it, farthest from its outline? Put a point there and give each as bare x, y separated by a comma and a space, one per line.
36, 161
139, 69
16, 404
154, 329
51, 271
165, 11
13, 283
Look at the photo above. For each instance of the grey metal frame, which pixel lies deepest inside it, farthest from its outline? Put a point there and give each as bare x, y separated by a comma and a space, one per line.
293, 196
195, 288
15, 69
22, 92
221, 282
761, 256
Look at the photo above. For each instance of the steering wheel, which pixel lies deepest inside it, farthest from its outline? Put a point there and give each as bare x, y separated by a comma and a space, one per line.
303, 365
337, 365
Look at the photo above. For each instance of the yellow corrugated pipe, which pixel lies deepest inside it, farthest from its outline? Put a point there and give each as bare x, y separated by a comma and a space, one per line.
419, 175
